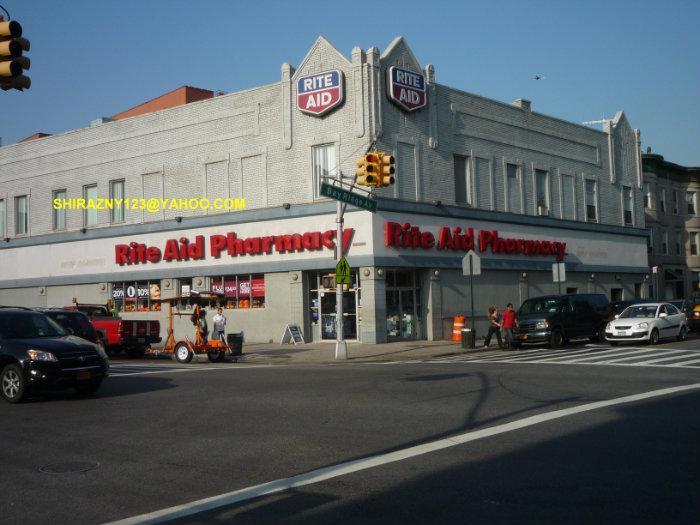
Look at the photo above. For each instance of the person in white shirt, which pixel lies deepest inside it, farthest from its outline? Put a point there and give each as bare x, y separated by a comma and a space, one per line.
219, 325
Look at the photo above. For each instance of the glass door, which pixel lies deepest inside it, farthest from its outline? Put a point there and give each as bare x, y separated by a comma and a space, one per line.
403, 308
323, 308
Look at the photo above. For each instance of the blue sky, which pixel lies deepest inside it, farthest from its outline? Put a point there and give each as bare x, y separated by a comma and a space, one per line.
96, 58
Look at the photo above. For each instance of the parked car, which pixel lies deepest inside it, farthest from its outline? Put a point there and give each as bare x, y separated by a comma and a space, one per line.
647, 322
555, 319
684, 305
132, 335
36, 353
75, 323
694, 319
617, 307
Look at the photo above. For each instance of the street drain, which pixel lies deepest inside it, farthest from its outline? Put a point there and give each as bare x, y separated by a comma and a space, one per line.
69, 466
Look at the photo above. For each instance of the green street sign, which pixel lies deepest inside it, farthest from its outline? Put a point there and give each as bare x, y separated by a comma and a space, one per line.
342, 272
348, 197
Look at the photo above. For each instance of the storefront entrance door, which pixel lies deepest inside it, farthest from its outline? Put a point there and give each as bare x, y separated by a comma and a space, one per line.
323, 309
402, 305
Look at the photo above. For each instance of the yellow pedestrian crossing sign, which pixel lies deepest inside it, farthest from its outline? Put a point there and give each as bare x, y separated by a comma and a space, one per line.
342, 272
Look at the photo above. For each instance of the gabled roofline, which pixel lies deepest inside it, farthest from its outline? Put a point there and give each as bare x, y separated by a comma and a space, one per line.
394, 44
308, 55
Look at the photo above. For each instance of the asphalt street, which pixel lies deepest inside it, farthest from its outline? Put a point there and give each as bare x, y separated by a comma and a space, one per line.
161, 435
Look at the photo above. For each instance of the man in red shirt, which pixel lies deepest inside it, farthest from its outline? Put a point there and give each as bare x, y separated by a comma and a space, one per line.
509, 320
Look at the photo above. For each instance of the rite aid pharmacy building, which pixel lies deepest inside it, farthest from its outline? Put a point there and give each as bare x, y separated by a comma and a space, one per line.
522, 189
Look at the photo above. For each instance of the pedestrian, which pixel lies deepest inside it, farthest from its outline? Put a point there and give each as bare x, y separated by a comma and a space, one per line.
220, 325
203, 328
494, 327
510, 320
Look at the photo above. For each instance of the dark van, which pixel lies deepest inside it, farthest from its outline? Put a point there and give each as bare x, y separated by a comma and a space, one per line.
555, 319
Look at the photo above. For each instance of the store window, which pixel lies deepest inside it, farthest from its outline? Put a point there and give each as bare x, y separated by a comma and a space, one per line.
3, 229
627, 205
542, 192
463, 182
675, 202
324, 165
403, 305
512, 188
591, 201
116, 193
59, 214
138, 296
240, 291
690, 198
647, 196
21, 215
662, 200
90, 214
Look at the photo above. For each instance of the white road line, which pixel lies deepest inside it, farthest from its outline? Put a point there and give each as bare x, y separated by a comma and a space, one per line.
193, 369
652, 361
604, 355
656, 353
686, 363
342, 469
556, 354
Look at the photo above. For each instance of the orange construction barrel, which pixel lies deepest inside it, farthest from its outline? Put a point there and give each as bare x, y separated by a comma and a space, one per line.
457, 326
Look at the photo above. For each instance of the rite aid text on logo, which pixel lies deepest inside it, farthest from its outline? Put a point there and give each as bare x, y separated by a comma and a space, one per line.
406, 89
318, 94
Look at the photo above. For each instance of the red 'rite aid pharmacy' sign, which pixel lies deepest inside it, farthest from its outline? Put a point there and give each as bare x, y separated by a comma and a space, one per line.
318, 94
406, 89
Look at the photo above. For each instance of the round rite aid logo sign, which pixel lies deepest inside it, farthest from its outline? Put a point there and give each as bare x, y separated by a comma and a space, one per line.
406, 89
318, 94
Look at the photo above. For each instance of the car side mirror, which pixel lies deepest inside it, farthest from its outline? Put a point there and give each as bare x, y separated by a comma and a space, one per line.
662, 315
617, 316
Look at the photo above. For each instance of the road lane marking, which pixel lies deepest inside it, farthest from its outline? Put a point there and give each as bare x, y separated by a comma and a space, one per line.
683, 363
611, 353
654, 361
115, 373
350, 467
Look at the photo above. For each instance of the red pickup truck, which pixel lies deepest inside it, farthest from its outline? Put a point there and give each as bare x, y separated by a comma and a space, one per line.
133, 335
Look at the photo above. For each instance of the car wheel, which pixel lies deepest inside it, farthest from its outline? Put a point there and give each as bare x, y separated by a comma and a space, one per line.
556, 339
216, 356
183, 354
682, 334
12, 383
136, 352
88, 388
654, 337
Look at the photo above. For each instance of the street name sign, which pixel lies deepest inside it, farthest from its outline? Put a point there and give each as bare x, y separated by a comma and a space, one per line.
348, 197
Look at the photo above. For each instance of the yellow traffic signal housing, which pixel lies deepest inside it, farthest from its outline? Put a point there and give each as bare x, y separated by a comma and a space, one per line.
12, 63
367, 173
386, 170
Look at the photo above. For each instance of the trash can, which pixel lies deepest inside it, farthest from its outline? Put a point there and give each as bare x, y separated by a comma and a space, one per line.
235, 343
468, 338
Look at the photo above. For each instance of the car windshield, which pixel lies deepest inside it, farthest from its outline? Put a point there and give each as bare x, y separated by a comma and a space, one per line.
78, 323
28, 325
545, 305
643, 311
618, 307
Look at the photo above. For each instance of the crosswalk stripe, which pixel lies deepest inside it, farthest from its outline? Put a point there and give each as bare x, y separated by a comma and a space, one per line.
637, 356
683, 363
673, 358
610, 353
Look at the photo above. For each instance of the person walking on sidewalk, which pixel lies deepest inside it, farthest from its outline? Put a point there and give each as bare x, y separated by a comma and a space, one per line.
494, 327
510, 320
220, 325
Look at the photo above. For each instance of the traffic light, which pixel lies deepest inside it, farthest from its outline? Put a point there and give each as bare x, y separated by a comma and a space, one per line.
367, 173
12, 63
386, 170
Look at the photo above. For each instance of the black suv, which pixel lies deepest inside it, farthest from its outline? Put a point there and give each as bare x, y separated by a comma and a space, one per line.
555, 319
75, 323
37, 353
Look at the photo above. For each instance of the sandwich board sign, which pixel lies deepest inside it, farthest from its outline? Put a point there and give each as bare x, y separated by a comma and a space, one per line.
292, 334
319, 93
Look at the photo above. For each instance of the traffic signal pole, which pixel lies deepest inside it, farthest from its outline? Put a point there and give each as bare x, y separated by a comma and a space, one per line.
341, 347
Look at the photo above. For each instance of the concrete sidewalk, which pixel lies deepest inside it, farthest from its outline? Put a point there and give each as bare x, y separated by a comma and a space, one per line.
357, 353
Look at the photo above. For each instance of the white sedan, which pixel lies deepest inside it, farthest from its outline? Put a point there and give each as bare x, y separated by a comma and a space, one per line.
647, 322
